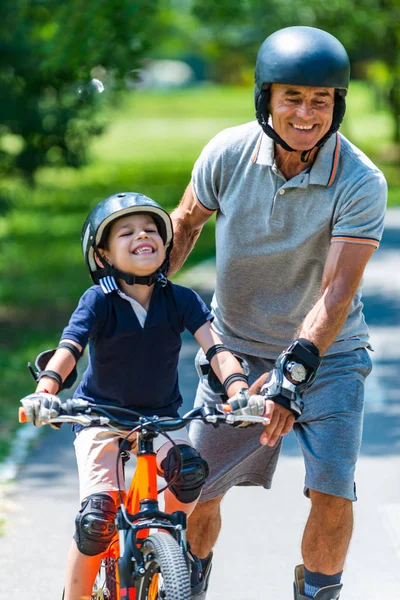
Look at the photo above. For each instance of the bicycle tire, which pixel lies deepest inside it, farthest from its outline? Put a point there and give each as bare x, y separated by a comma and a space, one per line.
167, 576
105, 587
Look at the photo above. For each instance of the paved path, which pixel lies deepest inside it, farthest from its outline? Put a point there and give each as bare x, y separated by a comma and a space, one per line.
260, 540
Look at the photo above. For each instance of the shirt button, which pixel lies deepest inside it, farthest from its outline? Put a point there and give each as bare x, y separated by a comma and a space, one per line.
281, 192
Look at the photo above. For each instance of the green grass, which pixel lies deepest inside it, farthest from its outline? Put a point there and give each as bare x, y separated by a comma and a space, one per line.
150, 146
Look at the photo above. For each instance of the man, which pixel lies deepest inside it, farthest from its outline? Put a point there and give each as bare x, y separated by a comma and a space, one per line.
300, 211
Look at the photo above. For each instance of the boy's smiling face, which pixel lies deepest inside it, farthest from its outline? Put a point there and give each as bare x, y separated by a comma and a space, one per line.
134, 245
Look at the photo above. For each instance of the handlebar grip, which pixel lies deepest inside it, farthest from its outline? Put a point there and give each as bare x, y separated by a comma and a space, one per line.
73, 406
22, 416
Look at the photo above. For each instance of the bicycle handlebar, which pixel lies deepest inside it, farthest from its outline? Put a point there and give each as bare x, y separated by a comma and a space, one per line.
86, 413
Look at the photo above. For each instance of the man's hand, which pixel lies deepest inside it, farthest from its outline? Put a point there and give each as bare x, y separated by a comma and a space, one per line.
281, 419
280, 424
40, 407
255, 388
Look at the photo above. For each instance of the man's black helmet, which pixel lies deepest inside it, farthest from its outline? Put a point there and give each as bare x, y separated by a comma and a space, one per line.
301, 56
99, 221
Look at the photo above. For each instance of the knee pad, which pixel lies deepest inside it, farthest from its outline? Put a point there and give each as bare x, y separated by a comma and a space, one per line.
95, 524
187, 487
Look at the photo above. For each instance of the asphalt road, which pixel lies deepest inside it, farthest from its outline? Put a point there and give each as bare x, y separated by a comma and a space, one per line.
260, 540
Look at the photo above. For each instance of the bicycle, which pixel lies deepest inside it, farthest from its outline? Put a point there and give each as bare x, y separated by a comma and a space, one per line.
140, 563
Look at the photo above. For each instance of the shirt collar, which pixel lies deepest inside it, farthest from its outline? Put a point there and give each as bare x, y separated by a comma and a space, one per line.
108, 284
322, 172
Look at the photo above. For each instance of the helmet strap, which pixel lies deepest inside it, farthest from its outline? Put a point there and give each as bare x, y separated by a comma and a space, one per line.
262, 115
157, 276
305, 155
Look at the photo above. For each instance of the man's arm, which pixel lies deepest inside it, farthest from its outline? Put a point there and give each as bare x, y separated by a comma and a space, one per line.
188, 220
342, 274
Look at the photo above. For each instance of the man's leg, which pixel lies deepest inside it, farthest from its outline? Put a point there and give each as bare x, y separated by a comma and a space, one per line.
204, 527
324, 547
327, 534
329, 432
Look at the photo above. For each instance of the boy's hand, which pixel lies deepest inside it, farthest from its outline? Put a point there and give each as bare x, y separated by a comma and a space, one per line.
242, 403
40, 407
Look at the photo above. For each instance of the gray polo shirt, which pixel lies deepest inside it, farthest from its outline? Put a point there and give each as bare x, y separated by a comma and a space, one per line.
273, 235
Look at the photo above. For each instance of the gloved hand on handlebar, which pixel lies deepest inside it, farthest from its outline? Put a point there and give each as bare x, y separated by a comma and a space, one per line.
40, 407
243, 403
294, 371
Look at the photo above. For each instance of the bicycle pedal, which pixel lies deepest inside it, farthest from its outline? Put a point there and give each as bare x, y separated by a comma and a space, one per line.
101, 595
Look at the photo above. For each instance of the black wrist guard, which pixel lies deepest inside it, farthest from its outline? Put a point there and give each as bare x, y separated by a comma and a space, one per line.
294, 371
234, 377
211, 352
39, 370
204, 369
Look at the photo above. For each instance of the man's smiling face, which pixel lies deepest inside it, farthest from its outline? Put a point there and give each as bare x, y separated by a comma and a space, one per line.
301, 115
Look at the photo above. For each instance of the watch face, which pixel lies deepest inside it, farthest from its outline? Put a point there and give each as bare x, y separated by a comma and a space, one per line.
297, 371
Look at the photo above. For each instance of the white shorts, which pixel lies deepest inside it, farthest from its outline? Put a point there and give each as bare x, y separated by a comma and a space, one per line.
96, 450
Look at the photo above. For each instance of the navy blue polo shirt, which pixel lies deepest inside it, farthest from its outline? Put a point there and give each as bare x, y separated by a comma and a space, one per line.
131, 366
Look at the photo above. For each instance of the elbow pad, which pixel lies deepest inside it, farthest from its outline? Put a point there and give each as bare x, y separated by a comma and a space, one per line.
39, 370
204, 368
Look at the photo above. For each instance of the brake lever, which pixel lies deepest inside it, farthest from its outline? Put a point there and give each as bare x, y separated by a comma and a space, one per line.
84, 420
225, 415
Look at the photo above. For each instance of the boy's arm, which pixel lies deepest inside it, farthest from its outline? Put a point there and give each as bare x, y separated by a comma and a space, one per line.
63, 362
223, 363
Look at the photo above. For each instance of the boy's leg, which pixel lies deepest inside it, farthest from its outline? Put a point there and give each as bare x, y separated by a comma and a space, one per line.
80, 575
96, 451
172, 504
82, 569
185, 492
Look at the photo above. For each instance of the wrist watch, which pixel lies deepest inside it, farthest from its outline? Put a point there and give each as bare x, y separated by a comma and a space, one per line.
297, 371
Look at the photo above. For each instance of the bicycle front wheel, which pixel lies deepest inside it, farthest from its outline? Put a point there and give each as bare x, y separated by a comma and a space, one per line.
167, 576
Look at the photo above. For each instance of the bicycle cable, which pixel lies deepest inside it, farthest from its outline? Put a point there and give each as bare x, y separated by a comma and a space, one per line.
155, 426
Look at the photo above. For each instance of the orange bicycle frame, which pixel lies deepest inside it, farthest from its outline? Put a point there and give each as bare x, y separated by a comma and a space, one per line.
143, 487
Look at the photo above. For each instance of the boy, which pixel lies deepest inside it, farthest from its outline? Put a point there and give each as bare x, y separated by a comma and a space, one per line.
132, 319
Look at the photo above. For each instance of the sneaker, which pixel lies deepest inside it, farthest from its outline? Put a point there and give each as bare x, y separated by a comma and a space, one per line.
200, 574
332, 592
196, 575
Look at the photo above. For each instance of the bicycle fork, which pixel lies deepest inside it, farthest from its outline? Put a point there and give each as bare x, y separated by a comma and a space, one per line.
140, 515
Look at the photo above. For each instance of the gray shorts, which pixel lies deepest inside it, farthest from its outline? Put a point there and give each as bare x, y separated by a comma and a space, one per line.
329, 432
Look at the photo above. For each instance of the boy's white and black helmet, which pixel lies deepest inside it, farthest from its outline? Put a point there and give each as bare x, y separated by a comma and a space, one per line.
301, 56
97, 226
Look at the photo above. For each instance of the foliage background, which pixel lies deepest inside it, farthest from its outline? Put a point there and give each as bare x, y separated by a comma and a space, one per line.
64, 146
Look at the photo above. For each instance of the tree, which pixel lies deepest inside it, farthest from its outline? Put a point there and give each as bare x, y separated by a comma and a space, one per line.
50, 52
369, 29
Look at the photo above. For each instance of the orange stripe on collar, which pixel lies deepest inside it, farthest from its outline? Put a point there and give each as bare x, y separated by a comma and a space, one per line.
335, 161
256, 150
